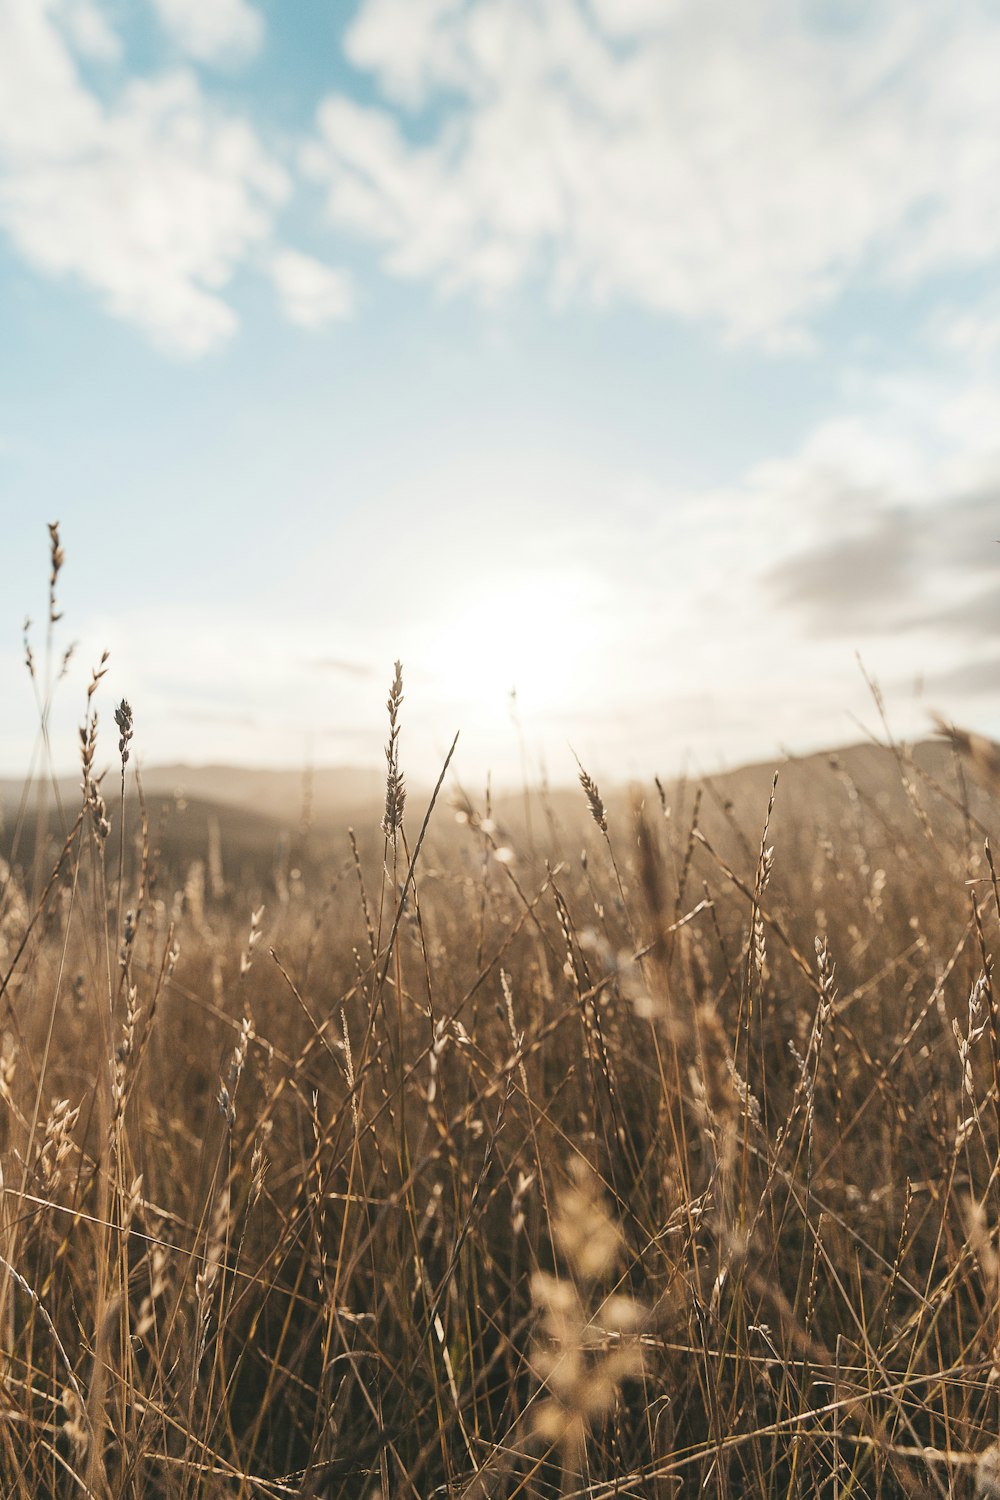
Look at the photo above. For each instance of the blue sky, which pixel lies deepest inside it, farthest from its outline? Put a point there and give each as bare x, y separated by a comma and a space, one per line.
640, 354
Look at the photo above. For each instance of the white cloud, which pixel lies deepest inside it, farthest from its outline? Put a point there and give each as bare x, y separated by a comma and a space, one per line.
213, 30
631, 18
731, 164
154, 200
311, 293
89, 30
972, 331
43, 108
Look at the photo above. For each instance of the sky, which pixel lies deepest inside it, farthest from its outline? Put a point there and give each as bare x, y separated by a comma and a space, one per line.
641, 356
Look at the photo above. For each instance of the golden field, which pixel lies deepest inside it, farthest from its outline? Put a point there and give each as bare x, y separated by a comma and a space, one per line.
560, 1144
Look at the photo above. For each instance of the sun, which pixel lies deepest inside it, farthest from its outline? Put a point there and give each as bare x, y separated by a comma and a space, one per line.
528, 633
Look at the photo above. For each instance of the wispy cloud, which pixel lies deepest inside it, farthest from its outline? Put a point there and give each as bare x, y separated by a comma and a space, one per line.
977, 619
969, 679
215, 717
339, 666
739, 166
89, 30
219, 31
311, 293
900, 568
153, 200
864, 582
973, 330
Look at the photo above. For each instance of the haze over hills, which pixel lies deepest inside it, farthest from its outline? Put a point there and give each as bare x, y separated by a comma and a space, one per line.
254, 811
281, 794
328, 791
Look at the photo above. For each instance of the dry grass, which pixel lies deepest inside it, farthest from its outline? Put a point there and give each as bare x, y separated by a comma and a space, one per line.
439, 1167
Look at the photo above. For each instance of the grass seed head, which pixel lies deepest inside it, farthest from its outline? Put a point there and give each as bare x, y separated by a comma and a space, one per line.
395, 786
123, 718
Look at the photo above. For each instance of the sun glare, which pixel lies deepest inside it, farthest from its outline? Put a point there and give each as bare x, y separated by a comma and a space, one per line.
529, 633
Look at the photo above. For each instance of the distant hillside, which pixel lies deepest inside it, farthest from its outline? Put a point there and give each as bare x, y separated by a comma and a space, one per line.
283, 795
256, 817
817, 795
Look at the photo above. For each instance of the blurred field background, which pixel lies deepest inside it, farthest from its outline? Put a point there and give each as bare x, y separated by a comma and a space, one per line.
371, 1140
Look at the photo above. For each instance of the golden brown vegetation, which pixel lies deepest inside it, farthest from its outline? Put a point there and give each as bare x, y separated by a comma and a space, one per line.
654, 1156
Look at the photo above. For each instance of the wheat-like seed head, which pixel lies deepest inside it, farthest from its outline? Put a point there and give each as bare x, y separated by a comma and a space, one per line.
395, 786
